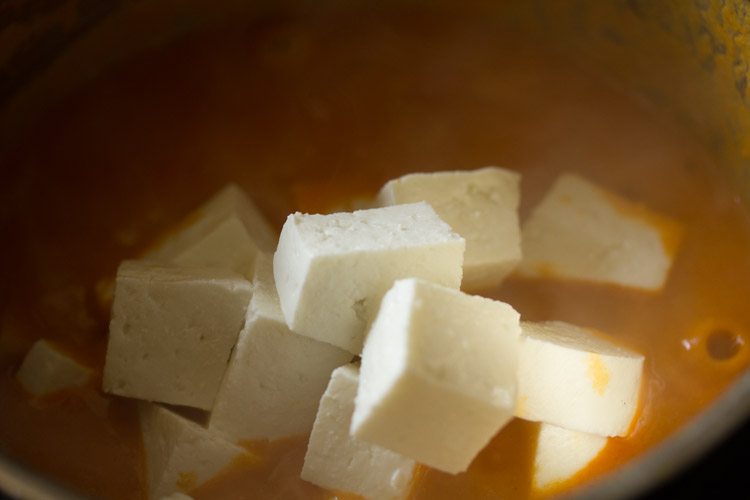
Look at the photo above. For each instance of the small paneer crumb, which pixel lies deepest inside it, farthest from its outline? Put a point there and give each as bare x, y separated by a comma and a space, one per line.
338, 461
580, 231
438, 377
46, 370
480, 205
180, 454
226, 232
577, 379
332, 270
172, 331
562, 453
275, 377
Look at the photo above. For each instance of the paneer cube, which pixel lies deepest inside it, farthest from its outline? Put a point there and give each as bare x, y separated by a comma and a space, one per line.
46, 370
338, 461
480, 205
438, 377
562, 453
180, 454
275, 377
331, 271
577, 379
226, 232
581, 232
172, 331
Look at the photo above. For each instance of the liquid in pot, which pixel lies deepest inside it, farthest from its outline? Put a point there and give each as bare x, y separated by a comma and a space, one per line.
310, 113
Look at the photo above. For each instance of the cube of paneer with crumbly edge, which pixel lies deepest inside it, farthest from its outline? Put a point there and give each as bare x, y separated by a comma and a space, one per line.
46, 370
561, 454
275, 377
578, 379
480, 205
226, 232
172, 331
338, 461
579, 231
438, 377
180, 454
331, 271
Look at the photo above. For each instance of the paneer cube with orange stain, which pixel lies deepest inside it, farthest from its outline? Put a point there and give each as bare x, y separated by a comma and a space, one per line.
578, 379
580, 231
561, 454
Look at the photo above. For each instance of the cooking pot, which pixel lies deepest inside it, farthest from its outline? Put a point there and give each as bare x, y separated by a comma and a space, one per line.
690, 58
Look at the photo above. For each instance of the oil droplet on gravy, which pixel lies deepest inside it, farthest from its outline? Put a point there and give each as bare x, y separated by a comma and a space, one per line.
292, 109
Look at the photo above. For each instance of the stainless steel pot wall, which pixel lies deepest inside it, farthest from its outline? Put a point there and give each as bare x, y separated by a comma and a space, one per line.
690, 57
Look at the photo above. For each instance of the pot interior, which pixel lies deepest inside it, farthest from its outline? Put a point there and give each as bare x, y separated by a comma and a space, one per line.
141, 110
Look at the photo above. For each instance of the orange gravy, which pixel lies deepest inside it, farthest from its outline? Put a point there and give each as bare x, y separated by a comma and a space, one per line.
309, 113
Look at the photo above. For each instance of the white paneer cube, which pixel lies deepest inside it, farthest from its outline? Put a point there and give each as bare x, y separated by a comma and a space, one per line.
438, 376
275, 377
331, 271
578, 379
172, 331
480, 205
46, 370
338, 461
226, 232
582, 232
180, 454
562, 453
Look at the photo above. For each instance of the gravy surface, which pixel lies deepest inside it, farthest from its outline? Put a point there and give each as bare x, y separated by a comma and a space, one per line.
311, 113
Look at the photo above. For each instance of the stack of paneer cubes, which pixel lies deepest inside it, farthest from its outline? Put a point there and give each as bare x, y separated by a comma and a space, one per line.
358, 330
